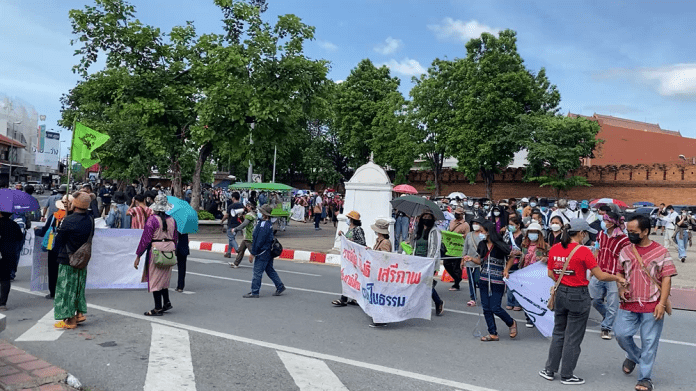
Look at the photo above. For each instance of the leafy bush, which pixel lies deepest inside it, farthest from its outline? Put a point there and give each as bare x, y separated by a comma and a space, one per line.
205, 215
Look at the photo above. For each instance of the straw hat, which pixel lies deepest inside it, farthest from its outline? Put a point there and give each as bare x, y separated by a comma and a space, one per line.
353, 215
161, 204
266, 210
381, 227
60, 204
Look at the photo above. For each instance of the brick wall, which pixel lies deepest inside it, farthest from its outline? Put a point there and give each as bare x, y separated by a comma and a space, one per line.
671, 184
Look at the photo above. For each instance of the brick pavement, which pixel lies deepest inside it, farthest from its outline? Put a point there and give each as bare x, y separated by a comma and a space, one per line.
22, 371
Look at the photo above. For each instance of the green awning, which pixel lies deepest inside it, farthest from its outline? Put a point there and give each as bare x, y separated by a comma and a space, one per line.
261, 186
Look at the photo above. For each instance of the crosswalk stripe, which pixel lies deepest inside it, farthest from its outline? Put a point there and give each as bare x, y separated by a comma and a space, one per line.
170, 366
311, 374
43, 330
212, 261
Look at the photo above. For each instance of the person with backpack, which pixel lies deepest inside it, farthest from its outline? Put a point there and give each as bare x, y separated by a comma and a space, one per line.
262, 246
118, 215
77, 229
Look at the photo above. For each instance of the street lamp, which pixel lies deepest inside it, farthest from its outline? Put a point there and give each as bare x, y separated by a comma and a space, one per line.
252, 122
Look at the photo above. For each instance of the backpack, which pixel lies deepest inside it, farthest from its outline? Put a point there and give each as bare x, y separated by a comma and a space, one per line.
117, 220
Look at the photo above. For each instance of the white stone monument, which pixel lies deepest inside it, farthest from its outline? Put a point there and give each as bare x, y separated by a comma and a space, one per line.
369, 193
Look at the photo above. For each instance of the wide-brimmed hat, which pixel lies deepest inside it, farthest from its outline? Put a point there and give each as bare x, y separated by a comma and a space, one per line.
161, 204
266, 210
381, 226
81, 200
353, 215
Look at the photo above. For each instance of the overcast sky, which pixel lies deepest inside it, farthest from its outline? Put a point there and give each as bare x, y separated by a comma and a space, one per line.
628, 59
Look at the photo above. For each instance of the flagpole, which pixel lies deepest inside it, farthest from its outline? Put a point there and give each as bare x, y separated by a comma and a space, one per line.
72, 141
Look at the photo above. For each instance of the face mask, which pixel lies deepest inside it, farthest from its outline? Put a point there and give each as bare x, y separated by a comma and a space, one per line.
482, 236
476, 227
634, 238
533, 237
512, 228
477, 206
428, 222
259, 215
486, 207
532, 204
584, 210
457, 216
555, 227
496, 213
600, 217
604, 226
470, 203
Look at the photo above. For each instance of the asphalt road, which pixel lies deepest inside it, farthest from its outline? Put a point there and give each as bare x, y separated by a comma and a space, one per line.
214, 339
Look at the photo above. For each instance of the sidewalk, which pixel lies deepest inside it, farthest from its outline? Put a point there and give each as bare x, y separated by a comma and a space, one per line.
22, 371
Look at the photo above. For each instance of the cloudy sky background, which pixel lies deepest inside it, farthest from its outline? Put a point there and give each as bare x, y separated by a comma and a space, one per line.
635, 60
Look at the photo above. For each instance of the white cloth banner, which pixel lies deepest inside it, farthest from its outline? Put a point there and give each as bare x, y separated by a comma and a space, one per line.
111, 266
298, 213
531, 287
388, 287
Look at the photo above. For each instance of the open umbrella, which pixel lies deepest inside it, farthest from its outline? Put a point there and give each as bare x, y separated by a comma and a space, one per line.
185, 216
607, 201
17, 201
406, 189
414, 206
456, 194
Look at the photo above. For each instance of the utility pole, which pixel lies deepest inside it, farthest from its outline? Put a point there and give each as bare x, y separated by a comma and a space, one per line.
275, 152
251, 145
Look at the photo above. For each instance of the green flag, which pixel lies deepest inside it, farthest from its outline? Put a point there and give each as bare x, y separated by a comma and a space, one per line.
86, 140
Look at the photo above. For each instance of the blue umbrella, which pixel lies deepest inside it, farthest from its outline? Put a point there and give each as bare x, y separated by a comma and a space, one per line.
185, 216
17, 201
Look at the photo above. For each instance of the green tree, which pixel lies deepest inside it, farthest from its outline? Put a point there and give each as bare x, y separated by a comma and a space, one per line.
556, 145
492, 89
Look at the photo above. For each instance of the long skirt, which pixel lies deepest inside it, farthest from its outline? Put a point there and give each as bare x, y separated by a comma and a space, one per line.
70, 292
156, 278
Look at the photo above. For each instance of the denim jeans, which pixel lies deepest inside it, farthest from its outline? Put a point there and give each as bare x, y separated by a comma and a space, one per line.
317, 220
491, 303
571, 311
627, 324
473, 274
400, 232
682, 242
261, 266
231, 238
599, 291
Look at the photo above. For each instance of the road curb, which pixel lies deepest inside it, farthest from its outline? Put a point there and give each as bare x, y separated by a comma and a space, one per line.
288, 254
23, 371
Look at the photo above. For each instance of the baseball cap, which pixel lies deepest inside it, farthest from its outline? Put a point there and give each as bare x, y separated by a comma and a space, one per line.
577, 225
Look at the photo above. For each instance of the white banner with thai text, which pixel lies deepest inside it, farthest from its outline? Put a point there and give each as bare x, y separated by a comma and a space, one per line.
531, 287
388, 287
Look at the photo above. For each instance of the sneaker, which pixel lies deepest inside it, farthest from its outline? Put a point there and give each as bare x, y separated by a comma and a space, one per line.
232, 265
529, 325
572, 380
250, 296
548, 375
605, 334
377, 325
279, 291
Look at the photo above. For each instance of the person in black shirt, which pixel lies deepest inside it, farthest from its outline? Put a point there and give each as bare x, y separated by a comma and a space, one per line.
10, 237
235, 211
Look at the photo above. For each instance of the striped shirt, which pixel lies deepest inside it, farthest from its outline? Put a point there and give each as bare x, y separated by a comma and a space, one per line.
609, 249
658, 262
140, 215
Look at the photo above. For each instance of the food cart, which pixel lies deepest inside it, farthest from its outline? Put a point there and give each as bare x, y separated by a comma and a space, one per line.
281, 211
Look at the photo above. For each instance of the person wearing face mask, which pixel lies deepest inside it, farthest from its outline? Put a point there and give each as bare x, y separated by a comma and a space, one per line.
513, 235
555, 227
534, 249
491, 254
568, 264
538, 218
527, 211
563, 212
428, 243
682, 235
649, 269
356, 235
487, 207
459, 226
470, 250
668, 223
610, 241
478, 212
499, 218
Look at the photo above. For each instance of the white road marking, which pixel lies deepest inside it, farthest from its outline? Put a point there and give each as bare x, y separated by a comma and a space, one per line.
209, 261
43, 330
263, 283
170, 366
311, 374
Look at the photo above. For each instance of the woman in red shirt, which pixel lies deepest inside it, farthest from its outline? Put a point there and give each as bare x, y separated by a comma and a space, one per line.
573, 302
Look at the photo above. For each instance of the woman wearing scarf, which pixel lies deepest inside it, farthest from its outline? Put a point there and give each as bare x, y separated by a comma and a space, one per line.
356, 235
492, 254
428, 243
160, 233
54, 221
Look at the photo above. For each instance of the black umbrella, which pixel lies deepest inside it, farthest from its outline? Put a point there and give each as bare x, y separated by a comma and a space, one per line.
414, 206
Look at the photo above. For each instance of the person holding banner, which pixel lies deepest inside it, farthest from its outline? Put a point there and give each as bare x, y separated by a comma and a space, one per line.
491, 254
458, 226
54, 221
473, 270
514, 235
356, 235
534, 249
568, 264
382, 243
428, 243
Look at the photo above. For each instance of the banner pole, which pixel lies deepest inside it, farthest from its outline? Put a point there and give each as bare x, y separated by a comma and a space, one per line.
72, 141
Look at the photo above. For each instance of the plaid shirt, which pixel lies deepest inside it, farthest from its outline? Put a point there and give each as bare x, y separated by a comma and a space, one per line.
609, 249
658, 262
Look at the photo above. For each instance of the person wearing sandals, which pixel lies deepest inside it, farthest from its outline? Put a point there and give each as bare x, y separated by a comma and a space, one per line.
649, 269
459, 226
160, 232
513, 235
382, 243
491, 254
570, 261
54, 220
356, 235
534, 249
70, 304
427, 242
469, 251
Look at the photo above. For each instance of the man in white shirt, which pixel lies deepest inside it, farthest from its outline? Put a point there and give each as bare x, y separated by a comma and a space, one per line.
668, 222
586, 213
317, 210
562, 211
